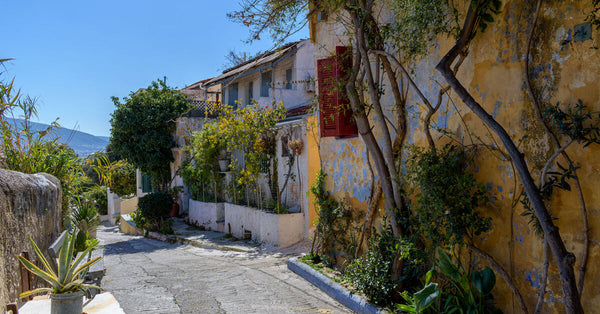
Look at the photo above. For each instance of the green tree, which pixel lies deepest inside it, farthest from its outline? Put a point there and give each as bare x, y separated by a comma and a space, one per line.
122, 178
142, 128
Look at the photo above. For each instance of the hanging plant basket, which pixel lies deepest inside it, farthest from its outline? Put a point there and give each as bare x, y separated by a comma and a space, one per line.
296, 146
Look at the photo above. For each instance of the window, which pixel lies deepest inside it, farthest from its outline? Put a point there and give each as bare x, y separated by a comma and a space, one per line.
250, 92
147, 183
233, 95
284, 147
265, 83
288, 79
335, 114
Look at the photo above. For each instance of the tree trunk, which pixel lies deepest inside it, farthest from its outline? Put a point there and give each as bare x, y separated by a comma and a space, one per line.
563, 258
366, 134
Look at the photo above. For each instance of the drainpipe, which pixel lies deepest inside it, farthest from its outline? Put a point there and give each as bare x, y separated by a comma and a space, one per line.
273, 80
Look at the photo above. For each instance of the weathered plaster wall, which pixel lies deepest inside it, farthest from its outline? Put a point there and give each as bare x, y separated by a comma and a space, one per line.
563, 71
206, 214
30, 205
184, 130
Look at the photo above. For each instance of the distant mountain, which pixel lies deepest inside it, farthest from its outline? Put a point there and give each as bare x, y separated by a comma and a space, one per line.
82, 143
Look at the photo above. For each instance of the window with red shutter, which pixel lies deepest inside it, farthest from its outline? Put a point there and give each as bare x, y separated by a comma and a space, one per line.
335, 114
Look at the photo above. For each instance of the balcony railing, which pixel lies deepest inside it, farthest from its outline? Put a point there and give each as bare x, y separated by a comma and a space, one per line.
203, 109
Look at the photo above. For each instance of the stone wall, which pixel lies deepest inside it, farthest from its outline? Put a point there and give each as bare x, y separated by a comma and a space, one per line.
30, 205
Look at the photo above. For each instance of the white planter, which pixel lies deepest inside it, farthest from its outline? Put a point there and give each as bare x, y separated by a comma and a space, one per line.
279, 230
206, 214
224, 164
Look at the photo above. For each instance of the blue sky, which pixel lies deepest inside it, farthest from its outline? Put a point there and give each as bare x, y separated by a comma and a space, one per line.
74, 55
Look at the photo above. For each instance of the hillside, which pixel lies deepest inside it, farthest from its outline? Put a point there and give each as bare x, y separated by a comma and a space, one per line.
82, 143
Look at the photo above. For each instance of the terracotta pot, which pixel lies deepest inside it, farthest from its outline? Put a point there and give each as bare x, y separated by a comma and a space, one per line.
66, 303
175, 210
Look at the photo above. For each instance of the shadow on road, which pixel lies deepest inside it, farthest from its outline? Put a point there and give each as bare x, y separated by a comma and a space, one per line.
131, 244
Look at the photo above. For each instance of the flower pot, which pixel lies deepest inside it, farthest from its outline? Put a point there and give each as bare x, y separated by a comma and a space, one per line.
175, 210
66, 303
224, 164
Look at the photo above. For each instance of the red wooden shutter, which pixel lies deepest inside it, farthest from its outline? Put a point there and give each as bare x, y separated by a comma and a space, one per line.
327, 96
347, 124
334, 107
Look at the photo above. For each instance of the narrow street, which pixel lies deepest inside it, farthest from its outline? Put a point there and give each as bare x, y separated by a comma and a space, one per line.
146, 275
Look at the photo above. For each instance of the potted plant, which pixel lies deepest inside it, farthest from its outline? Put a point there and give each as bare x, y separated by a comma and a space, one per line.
67, 287
296, 146
224, 159
174, 191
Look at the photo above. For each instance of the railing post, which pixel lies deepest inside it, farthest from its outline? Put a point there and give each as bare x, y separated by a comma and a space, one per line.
25, 276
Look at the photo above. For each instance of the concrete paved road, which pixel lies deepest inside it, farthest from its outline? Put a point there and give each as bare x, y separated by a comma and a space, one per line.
149, 276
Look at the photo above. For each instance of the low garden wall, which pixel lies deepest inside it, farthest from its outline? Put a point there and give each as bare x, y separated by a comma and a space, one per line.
276, 229
206, 214
30, 205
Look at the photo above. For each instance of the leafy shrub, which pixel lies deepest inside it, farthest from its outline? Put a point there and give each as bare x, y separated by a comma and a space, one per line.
468, 291
448, 196
333, 225
122, 178
371, 273
167, 227
154, 207
202, 173
419, 301
139, 220
97, 196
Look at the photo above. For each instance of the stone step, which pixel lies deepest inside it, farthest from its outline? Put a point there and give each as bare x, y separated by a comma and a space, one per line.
220, 225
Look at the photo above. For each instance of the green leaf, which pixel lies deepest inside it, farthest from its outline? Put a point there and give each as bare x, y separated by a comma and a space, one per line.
477, 281
32, 292
42, 258
406, 308
488, 280
38, 272
428, 276
487, 17
425, 297
446, 265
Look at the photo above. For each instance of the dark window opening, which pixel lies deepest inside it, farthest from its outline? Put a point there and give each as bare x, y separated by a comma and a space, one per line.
284, 146
265, 83
250, 92
288, 79
233, 95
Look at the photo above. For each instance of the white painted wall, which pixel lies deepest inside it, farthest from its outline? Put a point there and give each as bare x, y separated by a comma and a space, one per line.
279, 230
206, 214
114, 206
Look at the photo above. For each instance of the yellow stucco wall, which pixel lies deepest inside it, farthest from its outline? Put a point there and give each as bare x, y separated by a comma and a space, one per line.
314, 163
562, 71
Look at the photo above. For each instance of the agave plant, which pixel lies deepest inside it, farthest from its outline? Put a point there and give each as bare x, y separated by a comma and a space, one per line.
69, 275
85, 216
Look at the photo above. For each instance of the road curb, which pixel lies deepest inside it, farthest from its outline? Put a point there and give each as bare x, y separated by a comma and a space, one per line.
132, 229
351, 300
